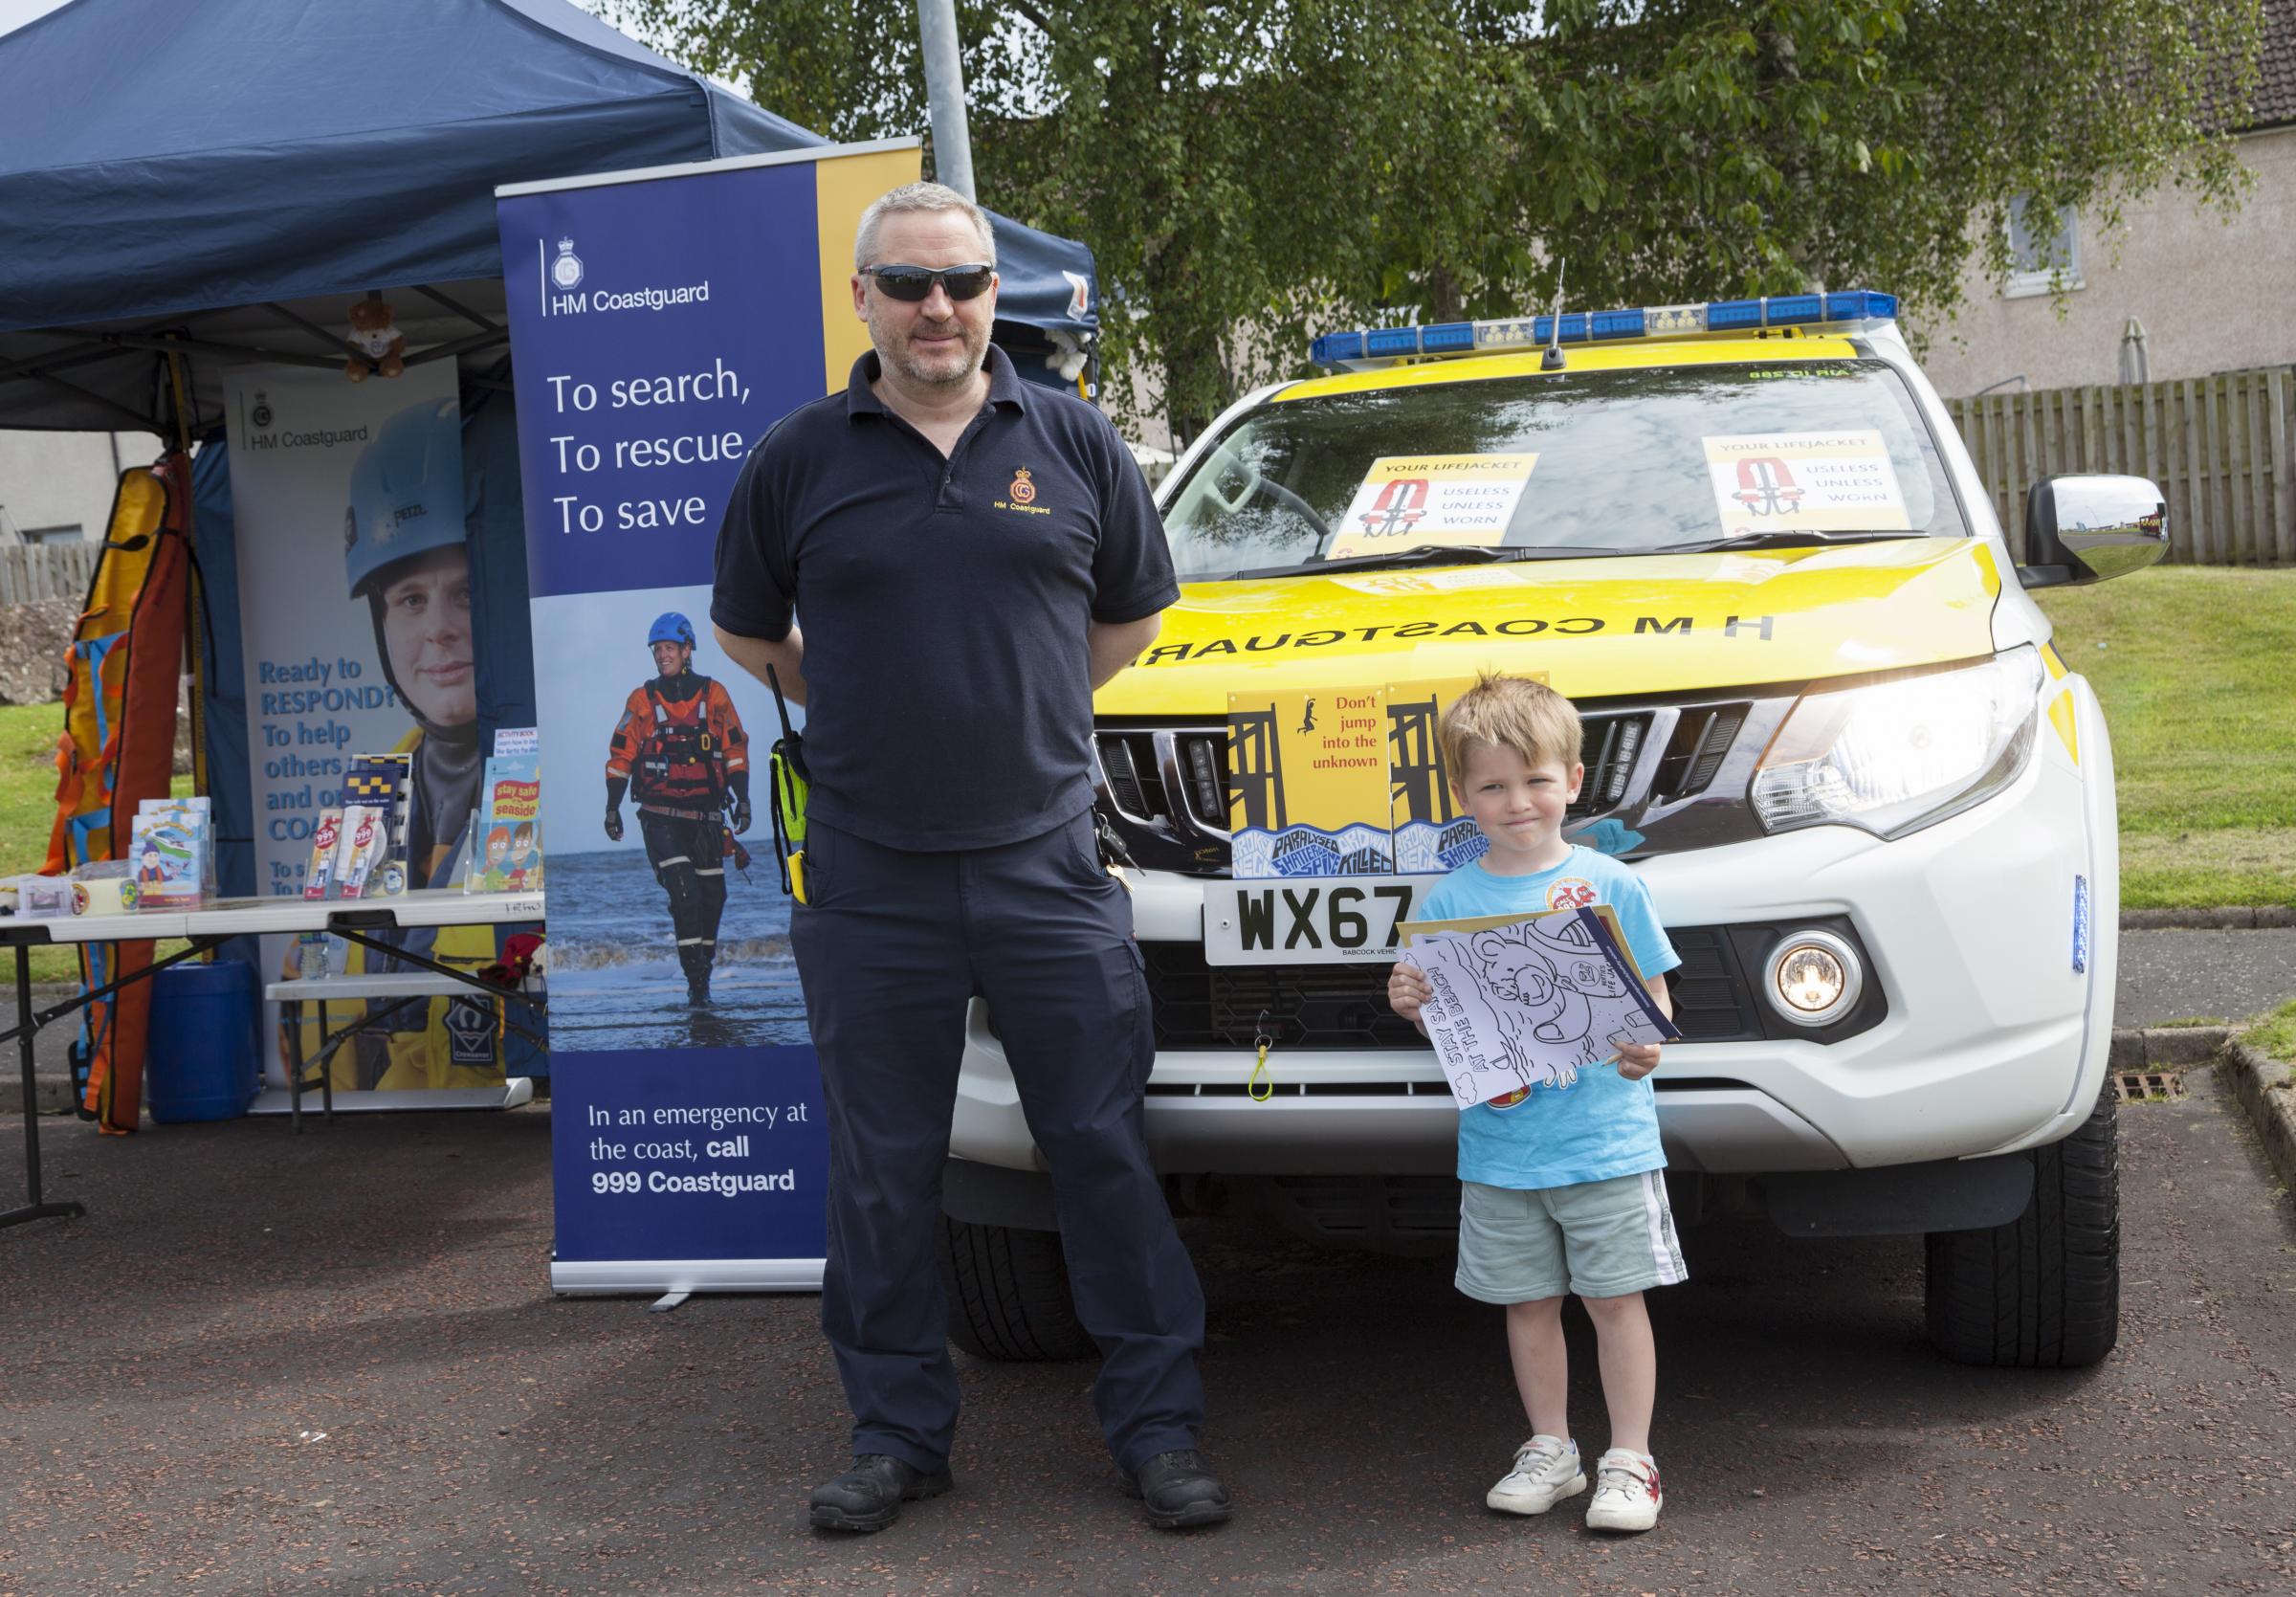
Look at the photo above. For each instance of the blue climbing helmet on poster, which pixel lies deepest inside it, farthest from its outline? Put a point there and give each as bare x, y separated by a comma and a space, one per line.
670, 627
407, 492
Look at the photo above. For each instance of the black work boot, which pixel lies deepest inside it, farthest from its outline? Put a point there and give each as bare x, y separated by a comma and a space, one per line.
1179, 1490
869, 1495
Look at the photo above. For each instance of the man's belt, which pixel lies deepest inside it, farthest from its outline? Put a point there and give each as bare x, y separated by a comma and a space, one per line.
679, 814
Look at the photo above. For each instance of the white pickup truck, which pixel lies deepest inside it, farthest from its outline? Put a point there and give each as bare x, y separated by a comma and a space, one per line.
1822, 720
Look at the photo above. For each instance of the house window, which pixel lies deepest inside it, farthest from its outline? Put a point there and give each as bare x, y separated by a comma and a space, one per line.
72, 534
2044, 250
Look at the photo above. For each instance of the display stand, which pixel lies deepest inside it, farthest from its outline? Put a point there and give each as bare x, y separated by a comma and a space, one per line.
354, 920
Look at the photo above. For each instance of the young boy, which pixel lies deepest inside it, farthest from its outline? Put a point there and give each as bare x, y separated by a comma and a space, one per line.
1561, 1187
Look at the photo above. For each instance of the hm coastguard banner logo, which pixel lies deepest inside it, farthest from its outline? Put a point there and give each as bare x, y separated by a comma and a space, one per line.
562, 292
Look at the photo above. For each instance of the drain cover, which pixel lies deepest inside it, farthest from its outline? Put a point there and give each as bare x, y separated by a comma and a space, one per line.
2148, 1086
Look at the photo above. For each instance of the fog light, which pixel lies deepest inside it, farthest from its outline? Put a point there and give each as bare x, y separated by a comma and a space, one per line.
1812, 978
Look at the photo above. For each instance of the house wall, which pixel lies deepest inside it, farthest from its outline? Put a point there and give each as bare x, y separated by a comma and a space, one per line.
50, 479
2212, 294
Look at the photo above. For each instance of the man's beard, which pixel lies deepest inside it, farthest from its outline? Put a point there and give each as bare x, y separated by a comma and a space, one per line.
950, 376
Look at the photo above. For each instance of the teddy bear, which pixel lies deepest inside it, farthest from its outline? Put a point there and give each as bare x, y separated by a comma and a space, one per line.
373, 338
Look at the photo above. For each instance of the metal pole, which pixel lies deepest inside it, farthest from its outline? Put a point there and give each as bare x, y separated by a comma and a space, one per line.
32, 1097
944, 95
35, 1208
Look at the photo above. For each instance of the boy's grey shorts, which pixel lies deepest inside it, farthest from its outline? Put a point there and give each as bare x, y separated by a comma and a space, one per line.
1597, 1238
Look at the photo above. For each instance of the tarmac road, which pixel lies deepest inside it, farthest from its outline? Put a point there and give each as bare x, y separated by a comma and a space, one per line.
330, 1364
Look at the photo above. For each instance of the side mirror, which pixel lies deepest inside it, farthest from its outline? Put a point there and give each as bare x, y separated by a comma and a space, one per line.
2082, 529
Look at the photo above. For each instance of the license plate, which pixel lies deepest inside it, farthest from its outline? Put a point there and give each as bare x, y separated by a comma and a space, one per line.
1324, 919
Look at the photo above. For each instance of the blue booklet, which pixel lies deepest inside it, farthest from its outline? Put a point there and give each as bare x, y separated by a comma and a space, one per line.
506, 838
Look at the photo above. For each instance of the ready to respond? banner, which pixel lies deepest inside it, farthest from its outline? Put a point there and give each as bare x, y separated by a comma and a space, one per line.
661, 322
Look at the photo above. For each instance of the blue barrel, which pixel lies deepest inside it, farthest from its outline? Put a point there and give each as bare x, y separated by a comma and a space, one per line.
202, 1062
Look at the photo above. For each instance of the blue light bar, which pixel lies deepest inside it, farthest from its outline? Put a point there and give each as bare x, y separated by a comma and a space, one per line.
1650, 322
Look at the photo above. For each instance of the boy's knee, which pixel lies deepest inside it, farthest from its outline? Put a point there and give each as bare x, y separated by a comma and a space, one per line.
1624, 1305
1537, 1308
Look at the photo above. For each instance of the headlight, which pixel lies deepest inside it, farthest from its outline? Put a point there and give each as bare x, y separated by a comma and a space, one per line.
1896, 756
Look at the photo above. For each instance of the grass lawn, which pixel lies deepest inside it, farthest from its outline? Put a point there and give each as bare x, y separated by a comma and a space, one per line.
28, 734
2191, 664
2274, 1035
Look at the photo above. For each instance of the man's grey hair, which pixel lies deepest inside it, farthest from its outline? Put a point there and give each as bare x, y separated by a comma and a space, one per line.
918, 196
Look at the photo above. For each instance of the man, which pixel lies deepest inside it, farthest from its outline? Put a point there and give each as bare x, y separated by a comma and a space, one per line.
679, 750
972, 557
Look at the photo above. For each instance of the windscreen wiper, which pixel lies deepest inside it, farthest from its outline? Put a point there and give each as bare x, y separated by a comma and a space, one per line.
1431, 554
1779, 540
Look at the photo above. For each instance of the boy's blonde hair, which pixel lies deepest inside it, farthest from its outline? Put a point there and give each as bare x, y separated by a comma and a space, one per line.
1512, 713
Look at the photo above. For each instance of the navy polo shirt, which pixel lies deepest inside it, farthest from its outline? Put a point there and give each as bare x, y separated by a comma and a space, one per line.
945, 602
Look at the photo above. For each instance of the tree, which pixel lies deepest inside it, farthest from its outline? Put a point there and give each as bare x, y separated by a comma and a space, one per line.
1253, 171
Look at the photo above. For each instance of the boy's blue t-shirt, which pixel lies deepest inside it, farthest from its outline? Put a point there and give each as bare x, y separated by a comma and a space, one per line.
1603, 1125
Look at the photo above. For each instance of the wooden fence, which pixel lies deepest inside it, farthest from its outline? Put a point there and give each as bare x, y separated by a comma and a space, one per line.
46, 572
2217, 447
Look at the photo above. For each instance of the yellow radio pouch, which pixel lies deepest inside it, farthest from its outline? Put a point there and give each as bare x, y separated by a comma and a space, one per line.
785, 769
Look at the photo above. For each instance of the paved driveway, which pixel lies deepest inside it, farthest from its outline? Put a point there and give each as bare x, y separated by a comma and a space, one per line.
264, 1364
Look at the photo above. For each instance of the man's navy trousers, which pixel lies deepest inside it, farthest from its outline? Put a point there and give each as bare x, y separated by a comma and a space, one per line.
892, 946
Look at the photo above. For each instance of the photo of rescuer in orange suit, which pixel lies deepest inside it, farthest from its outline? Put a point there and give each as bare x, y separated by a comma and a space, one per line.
680, 753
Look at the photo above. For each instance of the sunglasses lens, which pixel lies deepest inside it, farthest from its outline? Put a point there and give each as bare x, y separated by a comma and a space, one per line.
969, 284
911, 283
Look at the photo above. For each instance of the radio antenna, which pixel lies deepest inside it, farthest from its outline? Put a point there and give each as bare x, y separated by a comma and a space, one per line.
1552, 359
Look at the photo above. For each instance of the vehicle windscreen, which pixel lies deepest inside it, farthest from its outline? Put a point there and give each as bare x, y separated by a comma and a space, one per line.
1599, 462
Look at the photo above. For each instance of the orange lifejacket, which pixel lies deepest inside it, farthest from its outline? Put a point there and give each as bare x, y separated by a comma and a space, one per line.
680, 765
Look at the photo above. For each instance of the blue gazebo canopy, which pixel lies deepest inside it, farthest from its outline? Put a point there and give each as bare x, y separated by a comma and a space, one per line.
239, 166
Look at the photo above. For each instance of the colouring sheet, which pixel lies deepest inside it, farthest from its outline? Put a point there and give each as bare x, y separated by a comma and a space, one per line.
1529, 1001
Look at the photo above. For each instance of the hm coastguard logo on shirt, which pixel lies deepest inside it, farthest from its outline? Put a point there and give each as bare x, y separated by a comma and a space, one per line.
1021, 495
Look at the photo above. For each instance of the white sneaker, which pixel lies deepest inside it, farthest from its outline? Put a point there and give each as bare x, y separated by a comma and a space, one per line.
1546, 1470
1627, 1492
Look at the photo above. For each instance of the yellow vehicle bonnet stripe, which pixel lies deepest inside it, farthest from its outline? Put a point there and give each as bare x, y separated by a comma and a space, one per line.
1595, 628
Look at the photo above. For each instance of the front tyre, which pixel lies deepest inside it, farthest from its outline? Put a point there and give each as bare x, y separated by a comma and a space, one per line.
1008, 1294
2043, 1292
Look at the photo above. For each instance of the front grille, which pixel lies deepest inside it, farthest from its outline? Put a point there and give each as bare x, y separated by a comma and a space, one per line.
1695, 750
1168, 786
1122, 763
1142, 765
1712, 1002
1202, 1008
1607, 746
1210, 1007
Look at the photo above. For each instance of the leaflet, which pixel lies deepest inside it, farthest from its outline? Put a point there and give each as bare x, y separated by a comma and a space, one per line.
509, 827
320, 875
170, 856
364, 844
1525, 1002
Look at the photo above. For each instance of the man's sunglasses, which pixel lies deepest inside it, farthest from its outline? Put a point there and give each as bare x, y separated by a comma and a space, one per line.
913, 283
